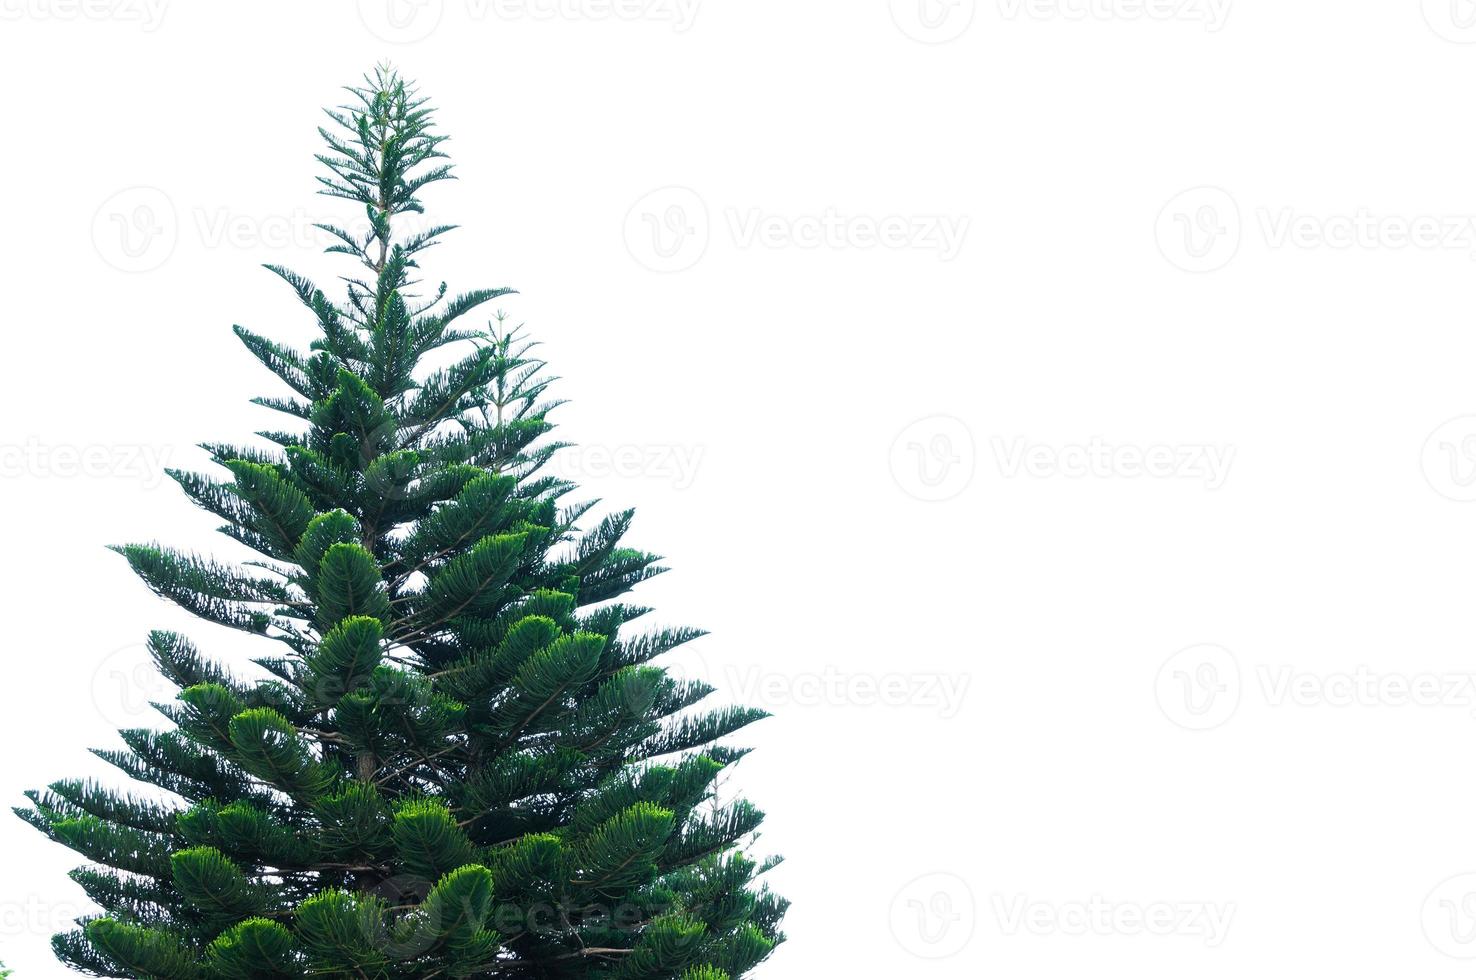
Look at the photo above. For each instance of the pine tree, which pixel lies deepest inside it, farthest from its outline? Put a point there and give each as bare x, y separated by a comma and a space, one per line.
457, 763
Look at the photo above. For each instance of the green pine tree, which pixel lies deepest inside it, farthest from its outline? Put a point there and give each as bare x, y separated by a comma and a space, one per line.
458, 764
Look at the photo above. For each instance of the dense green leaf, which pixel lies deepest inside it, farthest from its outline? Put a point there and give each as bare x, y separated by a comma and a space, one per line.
455, 759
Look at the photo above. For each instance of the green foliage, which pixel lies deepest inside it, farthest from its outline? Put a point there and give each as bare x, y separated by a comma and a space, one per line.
344, 660
212, 883
255, 948
457, 763
428, 840
348, 584
143, 951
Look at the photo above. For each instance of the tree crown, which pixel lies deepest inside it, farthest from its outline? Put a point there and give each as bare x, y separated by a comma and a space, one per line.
459, 764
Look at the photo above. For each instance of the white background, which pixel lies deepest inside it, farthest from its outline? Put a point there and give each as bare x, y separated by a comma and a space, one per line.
884, 463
